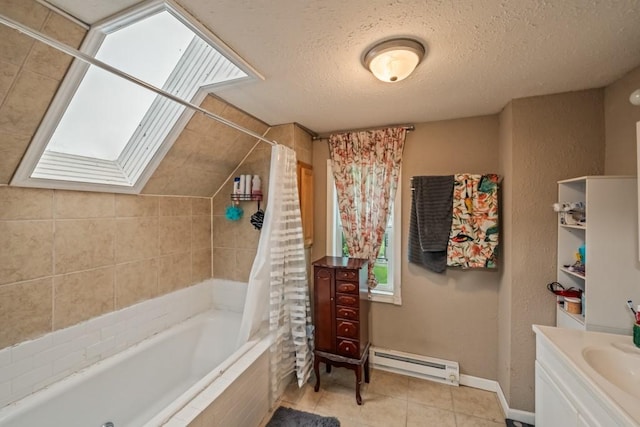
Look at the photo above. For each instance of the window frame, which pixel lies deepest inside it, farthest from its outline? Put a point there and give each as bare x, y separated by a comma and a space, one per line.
334, 241
71, 81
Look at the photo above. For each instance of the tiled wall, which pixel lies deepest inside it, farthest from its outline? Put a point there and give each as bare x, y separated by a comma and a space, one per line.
69, 256
235, 242
30, 73
35, 364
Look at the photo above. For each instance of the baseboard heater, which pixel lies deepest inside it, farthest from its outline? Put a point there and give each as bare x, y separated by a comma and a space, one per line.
444, 371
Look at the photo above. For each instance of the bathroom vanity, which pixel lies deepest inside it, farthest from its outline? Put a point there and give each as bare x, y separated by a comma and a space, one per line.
586, 378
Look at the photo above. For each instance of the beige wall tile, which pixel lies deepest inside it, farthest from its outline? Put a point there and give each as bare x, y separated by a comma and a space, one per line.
47, 61
25, 203
224, 232
14, 46
127, 205
26, 103
136, 238
247, 237
81, 296
83, 244
174, 234
11, 151
224, 261
26, 250
200, 232
244, 262
8, 73
201, 206
174, 272
136, 281
221, 201
25, 310
28, 13
175, 206
200, 265
81, 204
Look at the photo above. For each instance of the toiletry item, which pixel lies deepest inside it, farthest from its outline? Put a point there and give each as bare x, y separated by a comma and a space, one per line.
636, 334
241, 184
256, 186
583, 299
630, 305
572, 305
247, 184
582, 250
236, 185
638, 315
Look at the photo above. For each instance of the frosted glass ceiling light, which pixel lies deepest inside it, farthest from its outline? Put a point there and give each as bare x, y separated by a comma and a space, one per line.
635, 97
394, 60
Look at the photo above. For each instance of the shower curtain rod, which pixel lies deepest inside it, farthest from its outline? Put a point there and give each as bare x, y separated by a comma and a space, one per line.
88, 59
326, 135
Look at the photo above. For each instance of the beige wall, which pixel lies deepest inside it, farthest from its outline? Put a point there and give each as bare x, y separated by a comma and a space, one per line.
506, 250
550, 138
235, 242
454, 315
620, 125
30, 73
70, 256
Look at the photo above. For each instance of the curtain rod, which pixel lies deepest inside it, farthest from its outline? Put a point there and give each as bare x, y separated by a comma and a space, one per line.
90, 60
326, 135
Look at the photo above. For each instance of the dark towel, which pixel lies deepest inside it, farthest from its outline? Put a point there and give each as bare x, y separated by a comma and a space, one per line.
430, 225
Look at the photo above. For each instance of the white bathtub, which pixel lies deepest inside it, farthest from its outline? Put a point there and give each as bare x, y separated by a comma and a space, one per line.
170, 378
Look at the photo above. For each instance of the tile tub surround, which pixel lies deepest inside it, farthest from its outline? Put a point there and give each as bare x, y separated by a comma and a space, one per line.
69, 256
393, 400
32, 365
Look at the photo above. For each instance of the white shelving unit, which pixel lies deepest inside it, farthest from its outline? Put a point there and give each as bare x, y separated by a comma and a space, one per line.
611, 236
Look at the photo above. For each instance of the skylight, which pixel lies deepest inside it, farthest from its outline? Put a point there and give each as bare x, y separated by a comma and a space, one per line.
102, 129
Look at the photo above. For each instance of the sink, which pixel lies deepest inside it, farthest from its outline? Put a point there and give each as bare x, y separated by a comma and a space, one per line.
619, 365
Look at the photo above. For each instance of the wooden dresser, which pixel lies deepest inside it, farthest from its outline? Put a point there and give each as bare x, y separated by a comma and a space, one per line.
341, 316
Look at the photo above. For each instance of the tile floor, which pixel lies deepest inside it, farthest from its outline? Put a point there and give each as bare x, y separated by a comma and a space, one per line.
391, 400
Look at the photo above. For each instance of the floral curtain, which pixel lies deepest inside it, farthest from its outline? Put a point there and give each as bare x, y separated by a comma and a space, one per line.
365, 168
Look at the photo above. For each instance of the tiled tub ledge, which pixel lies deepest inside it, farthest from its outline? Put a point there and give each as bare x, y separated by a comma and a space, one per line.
33, 365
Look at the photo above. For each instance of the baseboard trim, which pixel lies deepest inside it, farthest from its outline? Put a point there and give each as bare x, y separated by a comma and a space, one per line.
494, 386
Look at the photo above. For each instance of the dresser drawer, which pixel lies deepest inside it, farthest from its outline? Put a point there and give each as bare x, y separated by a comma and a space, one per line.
347, 313
348, 348
347, 329
346, 275
348, 300
347, 287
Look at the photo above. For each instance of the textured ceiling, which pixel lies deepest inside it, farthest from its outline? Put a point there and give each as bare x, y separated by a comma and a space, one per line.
481, 54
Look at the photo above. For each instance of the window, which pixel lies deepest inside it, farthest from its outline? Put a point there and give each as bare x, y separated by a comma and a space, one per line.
104, 131
387, 266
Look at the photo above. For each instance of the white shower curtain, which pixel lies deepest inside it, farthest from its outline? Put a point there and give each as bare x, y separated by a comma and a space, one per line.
278, 289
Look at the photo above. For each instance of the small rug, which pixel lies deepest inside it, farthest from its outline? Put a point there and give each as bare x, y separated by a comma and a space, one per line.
287, 417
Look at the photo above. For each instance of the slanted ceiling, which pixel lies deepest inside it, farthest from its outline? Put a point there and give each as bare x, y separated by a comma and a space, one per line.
198, 163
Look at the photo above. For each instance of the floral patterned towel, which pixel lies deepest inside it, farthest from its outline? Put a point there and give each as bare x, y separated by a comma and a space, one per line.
473, 242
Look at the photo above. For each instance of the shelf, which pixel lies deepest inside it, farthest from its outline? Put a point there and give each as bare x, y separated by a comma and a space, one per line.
572, 273
579, 227
246, 197
577, 317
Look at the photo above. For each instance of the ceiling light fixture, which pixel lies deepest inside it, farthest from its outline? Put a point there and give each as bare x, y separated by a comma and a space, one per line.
634, 98
394, 60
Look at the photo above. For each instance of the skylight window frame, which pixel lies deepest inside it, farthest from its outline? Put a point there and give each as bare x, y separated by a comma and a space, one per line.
73, 78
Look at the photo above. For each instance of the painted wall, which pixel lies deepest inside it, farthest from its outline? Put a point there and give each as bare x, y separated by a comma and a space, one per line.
454, 315
506, 273
620, 125
549, 138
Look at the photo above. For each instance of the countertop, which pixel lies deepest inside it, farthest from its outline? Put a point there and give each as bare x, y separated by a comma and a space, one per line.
570, 344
